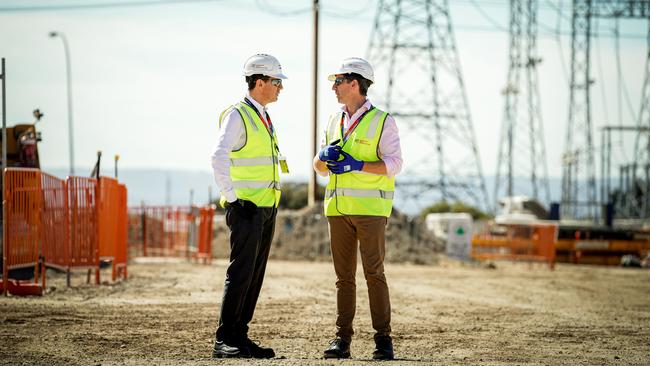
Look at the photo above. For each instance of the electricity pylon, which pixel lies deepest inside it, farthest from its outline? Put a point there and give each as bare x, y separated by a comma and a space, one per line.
522, 153
413, 50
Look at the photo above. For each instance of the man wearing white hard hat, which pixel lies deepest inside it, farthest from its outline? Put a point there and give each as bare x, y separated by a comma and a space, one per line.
361, 154
246, 163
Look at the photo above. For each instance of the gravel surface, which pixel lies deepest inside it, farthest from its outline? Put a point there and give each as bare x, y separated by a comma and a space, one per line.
449, 313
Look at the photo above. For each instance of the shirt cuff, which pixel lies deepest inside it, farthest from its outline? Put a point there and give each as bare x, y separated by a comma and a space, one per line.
230, 196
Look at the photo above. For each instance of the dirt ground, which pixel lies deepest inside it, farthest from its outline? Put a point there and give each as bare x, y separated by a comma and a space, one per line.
449, 313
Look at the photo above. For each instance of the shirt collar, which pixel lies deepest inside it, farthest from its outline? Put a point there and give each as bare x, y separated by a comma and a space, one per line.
260, 108
366, 106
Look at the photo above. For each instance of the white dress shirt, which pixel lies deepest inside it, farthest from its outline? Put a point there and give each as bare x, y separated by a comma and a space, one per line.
390, 151
231, 136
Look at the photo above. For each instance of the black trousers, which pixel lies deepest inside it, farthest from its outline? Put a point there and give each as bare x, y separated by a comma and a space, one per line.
250, 244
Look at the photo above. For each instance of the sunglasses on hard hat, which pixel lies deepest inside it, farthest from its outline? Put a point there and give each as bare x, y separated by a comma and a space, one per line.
276, 82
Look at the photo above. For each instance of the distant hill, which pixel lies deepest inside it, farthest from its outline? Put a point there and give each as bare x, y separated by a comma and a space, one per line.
150, 186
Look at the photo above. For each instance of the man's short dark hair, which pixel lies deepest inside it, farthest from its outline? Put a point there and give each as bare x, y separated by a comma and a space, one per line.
252, 80
364, 83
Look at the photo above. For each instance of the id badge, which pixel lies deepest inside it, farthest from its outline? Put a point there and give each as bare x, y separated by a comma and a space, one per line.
284, 167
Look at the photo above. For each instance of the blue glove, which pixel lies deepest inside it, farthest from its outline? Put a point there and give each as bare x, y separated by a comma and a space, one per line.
348, 164
330, 153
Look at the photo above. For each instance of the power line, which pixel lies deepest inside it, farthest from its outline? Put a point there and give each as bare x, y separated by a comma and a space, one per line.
266, 7
558, 7
347, 13
488, 18
10, 9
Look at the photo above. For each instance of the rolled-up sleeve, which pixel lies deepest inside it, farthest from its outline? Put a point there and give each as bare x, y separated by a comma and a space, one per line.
390, 150
231, 136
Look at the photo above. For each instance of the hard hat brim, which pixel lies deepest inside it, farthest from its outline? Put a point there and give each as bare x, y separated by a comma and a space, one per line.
279, 76
332, 77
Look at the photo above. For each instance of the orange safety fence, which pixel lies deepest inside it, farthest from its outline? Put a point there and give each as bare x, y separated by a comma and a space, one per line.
107, 225
166, 231
22, 229
204, 247
171, 231
533, 242
110, 211
55, 220
119, 262
82, 201
136, 221
64, 224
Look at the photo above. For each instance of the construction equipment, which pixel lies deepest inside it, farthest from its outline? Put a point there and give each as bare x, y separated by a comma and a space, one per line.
22, 152
22, 148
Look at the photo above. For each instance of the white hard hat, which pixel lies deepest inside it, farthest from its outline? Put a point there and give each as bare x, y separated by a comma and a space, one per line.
263, 64
355, 65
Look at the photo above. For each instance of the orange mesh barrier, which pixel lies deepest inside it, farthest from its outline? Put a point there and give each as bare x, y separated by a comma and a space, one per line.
82, 202
107, 218
119, 263
76, 221
204, 250
22, 230
111, 225
166, 231
136, 231
171, 231
54, 216
535, 242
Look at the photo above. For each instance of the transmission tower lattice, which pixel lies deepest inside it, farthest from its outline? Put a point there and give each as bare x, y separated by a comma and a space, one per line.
579, 191
521, 149
414, 53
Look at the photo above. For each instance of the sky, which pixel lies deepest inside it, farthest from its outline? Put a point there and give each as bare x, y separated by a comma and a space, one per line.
149, 81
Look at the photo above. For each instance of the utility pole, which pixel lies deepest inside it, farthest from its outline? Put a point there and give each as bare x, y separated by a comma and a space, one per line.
3, 76
413, 50
313, 186
68, 74
522, 153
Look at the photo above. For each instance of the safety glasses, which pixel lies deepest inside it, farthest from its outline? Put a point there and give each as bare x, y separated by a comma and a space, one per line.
276, 82
339, 80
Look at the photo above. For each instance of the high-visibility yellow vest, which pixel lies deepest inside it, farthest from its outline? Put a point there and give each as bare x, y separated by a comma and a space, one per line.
254, 167
359, 193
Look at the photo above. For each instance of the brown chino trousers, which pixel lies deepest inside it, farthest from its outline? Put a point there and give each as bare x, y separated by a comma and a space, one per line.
369, 232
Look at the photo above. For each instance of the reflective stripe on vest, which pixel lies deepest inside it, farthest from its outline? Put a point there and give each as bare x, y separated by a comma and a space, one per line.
266, 160
253, 168
255, 184
359, 193
351, 192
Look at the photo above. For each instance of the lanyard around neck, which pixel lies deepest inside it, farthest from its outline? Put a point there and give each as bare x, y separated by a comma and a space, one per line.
353, 126
266, 121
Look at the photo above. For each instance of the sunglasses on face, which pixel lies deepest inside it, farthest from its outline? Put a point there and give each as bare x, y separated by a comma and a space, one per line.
339, 80
276, 82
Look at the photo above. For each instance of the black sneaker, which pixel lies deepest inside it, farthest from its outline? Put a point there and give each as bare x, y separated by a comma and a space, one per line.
257, 351
338, 349
383, 348
223, 350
